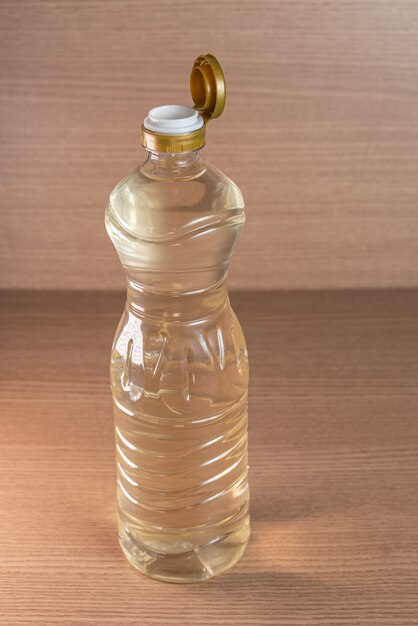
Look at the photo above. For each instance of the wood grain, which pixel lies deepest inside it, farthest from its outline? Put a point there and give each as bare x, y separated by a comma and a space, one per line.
333, 459
328, 169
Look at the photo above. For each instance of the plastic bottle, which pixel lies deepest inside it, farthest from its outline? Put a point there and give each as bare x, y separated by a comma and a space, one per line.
179, 366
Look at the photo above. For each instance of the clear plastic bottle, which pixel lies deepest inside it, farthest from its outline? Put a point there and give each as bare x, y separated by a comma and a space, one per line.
179, 367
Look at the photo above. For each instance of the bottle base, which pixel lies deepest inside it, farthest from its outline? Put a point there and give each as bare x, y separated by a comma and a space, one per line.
187, 564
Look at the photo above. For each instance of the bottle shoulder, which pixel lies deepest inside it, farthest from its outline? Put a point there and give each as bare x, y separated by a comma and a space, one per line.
208, 183
146, 204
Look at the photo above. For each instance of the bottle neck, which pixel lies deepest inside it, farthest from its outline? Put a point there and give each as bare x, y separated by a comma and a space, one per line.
169, 165
184, 306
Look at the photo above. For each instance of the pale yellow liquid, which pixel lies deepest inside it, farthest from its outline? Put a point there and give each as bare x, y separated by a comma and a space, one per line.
179, 372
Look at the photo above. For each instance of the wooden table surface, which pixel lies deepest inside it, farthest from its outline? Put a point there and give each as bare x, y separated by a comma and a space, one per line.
333, 459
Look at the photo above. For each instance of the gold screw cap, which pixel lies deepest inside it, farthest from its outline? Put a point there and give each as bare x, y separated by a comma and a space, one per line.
207, 86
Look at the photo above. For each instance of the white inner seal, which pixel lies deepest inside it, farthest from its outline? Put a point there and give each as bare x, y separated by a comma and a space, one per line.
173, 119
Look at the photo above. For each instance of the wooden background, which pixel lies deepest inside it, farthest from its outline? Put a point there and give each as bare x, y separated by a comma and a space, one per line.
320, 131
